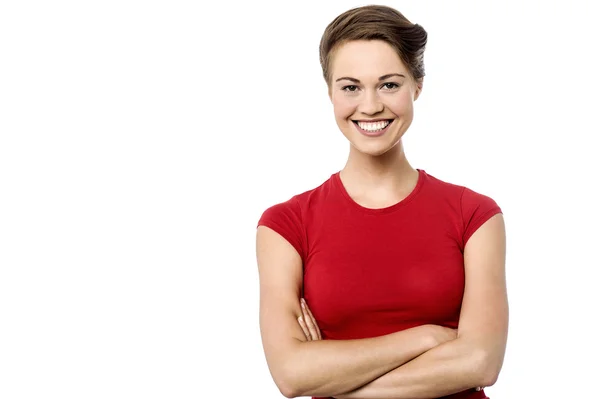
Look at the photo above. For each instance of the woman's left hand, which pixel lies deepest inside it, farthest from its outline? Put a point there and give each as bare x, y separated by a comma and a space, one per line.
308, 323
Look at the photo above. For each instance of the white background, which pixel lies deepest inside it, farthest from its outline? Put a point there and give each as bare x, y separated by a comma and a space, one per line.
141, 141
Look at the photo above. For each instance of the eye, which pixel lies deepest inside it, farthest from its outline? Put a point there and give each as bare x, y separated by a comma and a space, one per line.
390, 86
350, 88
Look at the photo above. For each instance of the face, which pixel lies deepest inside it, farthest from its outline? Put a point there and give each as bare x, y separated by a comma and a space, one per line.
372, 93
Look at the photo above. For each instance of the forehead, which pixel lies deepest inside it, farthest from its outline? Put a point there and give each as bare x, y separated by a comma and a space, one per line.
363, 59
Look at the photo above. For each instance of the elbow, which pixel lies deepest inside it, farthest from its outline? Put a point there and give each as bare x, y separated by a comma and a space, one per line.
288, 372
286, 382
489, 369
286, 387
489, 377
286, 390
288, 393
293, 382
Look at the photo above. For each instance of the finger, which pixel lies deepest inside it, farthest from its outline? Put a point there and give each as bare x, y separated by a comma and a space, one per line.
304, 328
309, 323
313, 319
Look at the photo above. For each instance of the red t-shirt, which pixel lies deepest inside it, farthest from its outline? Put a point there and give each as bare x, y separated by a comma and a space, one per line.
371, 272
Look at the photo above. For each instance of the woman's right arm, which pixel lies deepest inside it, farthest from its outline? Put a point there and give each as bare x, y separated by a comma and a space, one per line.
325, 367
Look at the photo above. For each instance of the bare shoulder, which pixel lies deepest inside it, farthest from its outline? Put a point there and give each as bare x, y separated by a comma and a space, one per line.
279, 263
487, 245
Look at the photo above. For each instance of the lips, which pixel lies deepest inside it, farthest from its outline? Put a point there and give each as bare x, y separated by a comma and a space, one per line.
373, 128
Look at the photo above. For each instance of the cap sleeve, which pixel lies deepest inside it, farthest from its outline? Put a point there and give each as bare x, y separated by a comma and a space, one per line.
285, 219
476, 209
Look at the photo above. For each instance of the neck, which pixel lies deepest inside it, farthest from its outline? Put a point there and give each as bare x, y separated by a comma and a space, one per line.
390, 169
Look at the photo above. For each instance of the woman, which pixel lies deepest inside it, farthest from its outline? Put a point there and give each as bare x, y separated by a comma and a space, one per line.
384, 281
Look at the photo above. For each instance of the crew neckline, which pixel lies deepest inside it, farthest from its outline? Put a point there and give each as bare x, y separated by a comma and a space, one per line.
340, 185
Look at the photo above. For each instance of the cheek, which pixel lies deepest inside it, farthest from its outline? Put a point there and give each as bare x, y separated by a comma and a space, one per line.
400, 104
343, 107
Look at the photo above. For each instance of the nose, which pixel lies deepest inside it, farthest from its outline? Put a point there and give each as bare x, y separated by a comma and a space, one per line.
371, 103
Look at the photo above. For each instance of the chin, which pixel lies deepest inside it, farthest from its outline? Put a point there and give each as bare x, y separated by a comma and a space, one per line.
374, 149
373, 146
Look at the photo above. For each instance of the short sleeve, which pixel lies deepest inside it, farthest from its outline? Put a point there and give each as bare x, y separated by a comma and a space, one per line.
286, 219
476, 209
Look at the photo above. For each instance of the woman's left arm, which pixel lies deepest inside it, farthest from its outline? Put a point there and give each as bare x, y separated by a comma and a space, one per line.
475, 357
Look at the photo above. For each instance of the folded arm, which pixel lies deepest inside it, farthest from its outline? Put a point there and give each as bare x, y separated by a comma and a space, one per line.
324, 367
476, 356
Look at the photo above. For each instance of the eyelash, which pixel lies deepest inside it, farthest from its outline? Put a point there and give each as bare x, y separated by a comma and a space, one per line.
345, 88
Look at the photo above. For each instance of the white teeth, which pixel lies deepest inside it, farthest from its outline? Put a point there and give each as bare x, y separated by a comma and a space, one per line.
373, 126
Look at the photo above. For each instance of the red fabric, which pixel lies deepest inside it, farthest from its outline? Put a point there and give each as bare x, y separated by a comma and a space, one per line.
371, 272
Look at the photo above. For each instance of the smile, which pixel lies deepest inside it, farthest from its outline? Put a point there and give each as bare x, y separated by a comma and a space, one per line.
375, 128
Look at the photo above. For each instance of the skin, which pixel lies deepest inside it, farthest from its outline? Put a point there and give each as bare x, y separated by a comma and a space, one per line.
311, 330
376, 165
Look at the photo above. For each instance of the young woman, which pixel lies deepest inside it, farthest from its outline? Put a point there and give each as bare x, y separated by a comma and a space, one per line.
384, 281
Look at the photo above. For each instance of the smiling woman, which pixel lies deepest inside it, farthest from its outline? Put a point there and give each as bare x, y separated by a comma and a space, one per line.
383, 281
371, 127
371, 94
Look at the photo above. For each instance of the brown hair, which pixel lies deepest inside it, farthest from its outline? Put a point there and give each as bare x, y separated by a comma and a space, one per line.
376, 22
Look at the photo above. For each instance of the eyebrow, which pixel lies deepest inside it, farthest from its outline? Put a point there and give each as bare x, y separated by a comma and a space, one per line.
384, 77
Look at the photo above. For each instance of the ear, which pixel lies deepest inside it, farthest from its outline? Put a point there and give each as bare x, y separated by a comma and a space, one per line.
329, 93
419, 88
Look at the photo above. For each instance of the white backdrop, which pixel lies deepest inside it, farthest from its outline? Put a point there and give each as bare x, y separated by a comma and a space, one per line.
141, 141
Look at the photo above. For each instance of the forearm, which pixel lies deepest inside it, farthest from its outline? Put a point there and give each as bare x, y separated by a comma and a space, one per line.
446, 369
331, 367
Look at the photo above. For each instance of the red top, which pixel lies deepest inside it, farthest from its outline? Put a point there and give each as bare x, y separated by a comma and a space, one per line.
371, 272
